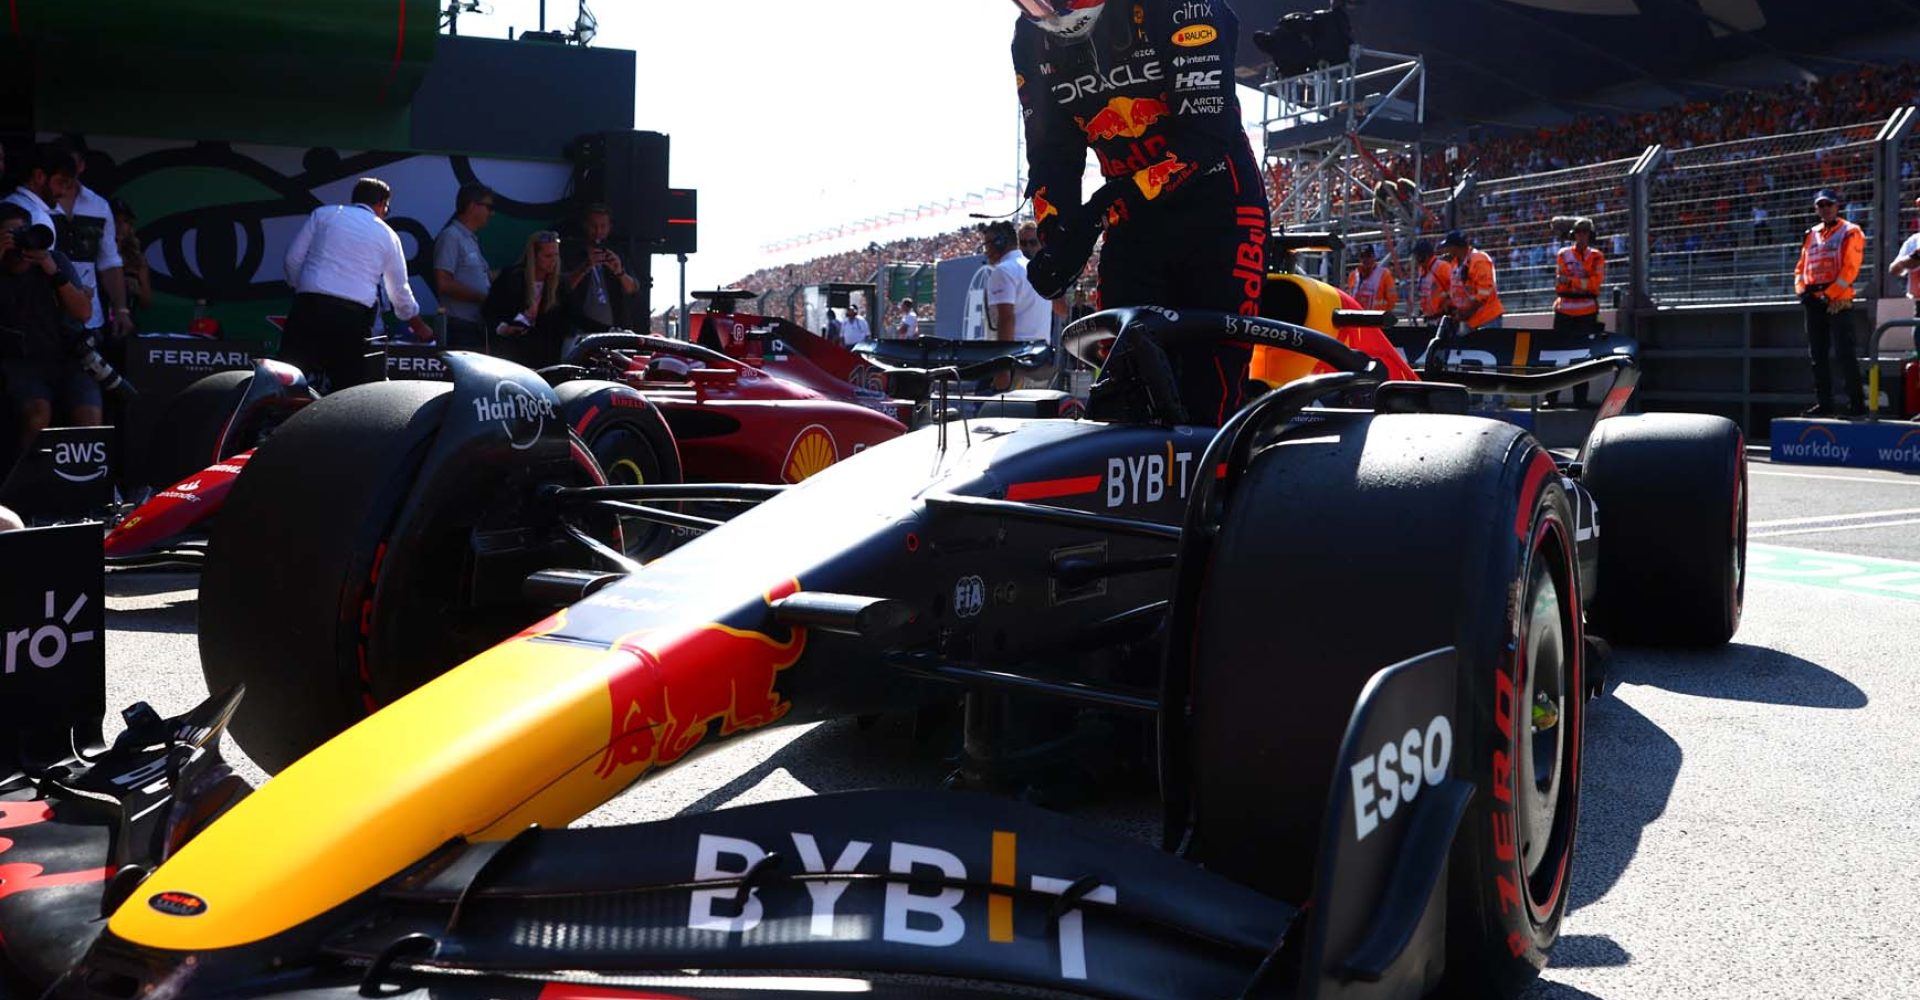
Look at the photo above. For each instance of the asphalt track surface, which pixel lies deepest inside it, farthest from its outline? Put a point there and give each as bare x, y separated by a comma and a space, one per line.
1751, 817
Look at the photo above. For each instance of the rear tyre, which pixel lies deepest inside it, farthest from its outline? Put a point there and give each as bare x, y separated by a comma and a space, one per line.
1671, 489
187, 434
1402, 535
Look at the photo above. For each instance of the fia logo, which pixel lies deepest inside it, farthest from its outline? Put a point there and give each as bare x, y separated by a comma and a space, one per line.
45, 647
969, 596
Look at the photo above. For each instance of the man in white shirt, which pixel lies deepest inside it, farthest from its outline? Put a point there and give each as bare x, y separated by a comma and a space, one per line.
49, 180
338, 261
909, 325
1906, 264
1014, 310
853, 329
84, 221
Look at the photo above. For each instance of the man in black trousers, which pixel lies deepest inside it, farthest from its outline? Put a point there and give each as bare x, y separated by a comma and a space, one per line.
337, 264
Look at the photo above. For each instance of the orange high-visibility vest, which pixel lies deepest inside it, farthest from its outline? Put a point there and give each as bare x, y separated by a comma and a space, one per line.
1579, 280
1831, 257
1473, 281
1433, 287
1373, 291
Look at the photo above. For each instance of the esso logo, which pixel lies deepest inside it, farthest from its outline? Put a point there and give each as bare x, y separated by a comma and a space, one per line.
1394, 774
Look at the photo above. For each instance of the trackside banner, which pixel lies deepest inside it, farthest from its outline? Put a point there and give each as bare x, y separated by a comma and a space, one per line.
53, 663
1884, 444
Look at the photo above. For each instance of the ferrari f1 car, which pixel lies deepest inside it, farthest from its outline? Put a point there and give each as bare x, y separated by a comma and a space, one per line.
1359, 638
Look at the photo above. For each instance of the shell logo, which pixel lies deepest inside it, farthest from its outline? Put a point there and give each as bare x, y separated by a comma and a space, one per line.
1195, 36
813, 450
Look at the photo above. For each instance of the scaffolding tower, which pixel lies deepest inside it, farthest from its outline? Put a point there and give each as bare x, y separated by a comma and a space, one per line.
1333, 135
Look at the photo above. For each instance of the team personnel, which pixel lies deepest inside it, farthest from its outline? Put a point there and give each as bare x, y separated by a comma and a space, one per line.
1473, 293
853, 330
1580, 269
1014, 310
338, 261
1372, 285
1432, 282
461, 276
1148, 86
1830, 259
1906, 264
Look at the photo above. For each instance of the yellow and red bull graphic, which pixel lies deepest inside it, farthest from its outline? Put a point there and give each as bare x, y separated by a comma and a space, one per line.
680, 682
1123, 118
1156, 178
1042, 208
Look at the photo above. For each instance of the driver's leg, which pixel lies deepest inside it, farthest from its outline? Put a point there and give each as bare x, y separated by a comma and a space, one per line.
1220, 264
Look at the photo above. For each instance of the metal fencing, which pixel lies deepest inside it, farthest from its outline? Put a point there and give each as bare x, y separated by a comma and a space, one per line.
1511, 219
1725, 221
1909, 189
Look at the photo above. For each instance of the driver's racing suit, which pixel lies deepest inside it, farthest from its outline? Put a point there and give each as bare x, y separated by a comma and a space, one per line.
1151, 92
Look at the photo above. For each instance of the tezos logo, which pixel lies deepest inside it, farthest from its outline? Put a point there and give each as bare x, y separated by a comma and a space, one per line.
521, 414
46, 646
178, 904
80, 461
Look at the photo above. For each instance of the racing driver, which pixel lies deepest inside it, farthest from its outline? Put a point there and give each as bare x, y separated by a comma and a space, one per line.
1148, 85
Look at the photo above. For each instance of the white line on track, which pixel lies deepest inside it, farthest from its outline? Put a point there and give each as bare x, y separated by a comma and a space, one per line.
1837, 479
1836, 527
1791, 521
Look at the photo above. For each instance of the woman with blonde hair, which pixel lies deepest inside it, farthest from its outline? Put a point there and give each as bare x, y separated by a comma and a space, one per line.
523, 315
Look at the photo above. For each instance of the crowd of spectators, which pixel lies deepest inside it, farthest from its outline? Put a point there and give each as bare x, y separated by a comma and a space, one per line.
862, 266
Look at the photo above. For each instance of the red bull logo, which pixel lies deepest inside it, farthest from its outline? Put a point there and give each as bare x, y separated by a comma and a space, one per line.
1157, 177
680, 682
1042, 208
1123, 118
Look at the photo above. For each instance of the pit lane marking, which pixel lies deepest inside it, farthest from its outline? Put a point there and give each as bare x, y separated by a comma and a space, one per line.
1892, 578
1835, 527
1824, 518
1893, 481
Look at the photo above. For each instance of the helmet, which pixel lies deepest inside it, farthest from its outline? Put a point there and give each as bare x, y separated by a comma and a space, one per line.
1064, 19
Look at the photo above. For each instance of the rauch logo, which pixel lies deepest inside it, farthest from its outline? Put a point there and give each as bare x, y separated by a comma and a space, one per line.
1816, 442
46, 646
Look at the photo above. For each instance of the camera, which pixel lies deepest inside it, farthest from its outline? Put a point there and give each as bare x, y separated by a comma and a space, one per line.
1299, 42
85, 350
34, 237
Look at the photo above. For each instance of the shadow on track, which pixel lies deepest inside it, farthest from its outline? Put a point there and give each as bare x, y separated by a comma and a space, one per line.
1740, 672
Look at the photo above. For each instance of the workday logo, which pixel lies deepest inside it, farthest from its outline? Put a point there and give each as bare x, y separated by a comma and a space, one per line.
1816, 442
1905, 453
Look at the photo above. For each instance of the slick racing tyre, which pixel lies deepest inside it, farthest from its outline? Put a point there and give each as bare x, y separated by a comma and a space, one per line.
1341, 555
314, 596
632, 443
187, 433
1671, 492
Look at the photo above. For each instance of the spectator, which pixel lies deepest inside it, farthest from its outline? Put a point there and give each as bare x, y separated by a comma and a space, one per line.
909, 325
41, 307
133, 258
338, 261
833, 332
1014, 310
1474, 293
1830, 257
524, 310
854, 330
1370, 284
86, 236
1432, 282
49, 180
1906, 264
461, 277
598, 285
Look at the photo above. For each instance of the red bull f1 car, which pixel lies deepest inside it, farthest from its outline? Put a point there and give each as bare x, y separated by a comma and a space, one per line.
1357, 639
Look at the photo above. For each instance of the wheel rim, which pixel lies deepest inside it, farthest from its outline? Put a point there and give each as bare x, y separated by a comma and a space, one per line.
629, 460
1547, 774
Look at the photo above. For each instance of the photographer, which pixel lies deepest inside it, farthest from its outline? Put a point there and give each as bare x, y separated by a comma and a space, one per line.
41, 312
597, 280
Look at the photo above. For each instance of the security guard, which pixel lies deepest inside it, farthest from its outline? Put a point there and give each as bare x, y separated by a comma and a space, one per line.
1432, 282
1474, 295
1580, 269
1830, 259
1370, 284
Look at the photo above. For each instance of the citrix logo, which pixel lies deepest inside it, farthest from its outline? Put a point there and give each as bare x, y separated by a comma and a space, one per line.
46, 646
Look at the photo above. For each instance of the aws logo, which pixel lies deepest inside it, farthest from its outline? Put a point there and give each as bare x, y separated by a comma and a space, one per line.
80, 461
813, 450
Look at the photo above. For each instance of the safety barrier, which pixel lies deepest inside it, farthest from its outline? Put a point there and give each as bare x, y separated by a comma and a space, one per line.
1875, 361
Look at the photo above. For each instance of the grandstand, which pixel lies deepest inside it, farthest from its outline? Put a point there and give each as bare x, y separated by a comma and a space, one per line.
1701, 189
